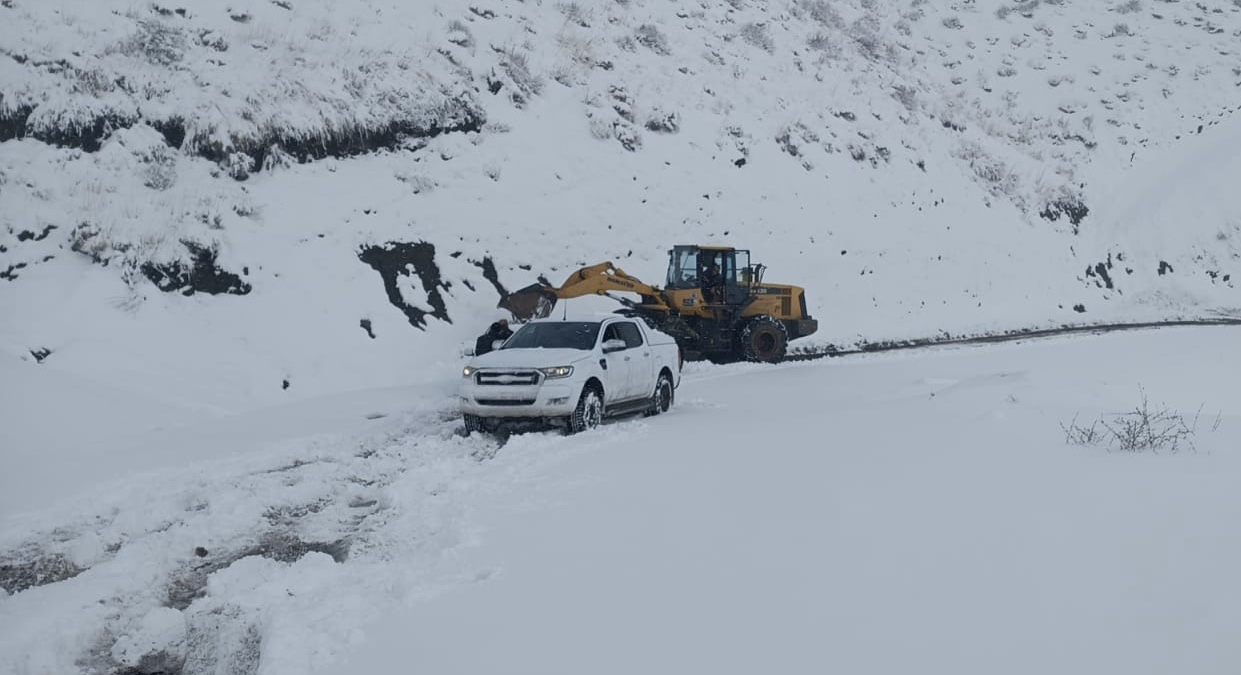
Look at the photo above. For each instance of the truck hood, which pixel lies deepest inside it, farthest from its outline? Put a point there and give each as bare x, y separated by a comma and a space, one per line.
529, 358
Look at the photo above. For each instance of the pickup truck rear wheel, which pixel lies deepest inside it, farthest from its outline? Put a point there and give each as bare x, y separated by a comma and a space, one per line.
662, 399
589, 411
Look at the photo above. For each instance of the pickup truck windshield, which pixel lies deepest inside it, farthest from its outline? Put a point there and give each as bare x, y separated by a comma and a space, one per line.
558, 335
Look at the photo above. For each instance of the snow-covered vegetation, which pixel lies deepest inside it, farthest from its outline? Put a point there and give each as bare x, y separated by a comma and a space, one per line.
209, 209
918, 168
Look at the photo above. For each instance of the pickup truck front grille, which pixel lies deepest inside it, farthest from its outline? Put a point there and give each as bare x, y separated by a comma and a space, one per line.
505, 401
506, 377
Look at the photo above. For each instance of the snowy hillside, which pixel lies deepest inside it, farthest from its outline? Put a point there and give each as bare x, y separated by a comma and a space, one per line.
916, 168
242, 245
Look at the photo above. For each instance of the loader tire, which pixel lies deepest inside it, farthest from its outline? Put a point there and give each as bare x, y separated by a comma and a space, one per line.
763, 339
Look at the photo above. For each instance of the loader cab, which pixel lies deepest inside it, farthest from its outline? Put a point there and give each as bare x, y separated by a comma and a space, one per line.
687, 264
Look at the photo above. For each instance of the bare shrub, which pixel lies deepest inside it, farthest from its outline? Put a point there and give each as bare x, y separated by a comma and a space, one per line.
821, 12
1077, 434
1120, 29
93, 82
1025, 8
757, 35
277, 158
157, 42
573, 12
628, 136
996, 175
459, 34
906, 96
1129, 7
664, 122
649, 36
517, 67
238, 165
417, 182
89, 239
1146, 428
159, 168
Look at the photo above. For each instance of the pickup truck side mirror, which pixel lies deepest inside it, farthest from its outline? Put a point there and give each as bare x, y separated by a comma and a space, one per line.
613, 345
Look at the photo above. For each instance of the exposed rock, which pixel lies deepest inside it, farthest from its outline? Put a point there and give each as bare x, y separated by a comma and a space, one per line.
1072, 209
202, 276
400, 260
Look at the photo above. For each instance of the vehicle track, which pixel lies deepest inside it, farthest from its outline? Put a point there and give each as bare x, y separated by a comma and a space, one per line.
1006, 336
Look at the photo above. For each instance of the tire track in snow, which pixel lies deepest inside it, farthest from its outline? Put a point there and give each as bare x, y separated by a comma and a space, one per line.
1015, 335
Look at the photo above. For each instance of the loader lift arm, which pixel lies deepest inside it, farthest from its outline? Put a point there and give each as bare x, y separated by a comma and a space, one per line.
537, 301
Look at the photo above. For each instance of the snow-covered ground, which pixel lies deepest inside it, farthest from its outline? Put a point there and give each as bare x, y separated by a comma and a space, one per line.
271, 479
870, 513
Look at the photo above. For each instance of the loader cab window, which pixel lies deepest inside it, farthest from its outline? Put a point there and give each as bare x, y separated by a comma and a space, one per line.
683, 269
739, 271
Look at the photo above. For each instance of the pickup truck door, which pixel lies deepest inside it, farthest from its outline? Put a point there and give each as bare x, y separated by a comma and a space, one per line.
640, 363
619, 365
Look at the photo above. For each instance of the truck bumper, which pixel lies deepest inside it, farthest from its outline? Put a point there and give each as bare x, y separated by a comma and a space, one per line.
548, 400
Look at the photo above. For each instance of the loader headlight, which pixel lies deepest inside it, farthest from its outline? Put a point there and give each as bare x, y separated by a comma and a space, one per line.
468, 371
556, 371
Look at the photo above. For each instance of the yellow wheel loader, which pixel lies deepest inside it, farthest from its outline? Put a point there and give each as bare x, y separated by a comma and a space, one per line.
714, 303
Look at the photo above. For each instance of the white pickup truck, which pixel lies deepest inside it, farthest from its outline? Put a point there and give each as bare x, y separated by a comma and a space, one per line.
571, 374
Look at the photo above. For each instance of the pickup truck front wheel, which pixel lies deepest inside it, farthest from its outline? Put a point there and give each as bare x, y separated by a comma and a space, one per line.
589, 411
474, 424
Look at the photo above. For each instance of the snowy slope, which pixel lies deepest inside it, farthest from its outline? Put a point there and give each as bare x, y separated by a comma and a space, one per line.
894, 160
241, 247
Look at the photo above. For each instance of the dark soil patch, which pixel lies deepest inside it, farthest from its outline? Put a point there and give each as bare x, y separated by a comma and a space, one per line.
1072, 209
489, 273
1100, 271
10, 273
457, 115
203, 275
397, 260
19, 575
13, 123
190, 583
27, 235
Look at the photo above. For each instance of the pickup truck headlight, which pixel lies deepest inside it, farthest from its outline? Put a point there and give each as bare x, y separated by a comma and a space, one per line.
468, 371
556, 372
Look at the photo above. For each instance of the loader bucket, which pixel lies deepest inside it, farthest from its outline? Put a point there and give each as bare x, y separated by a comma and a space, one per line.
532, 302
